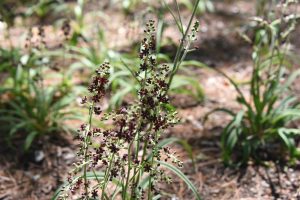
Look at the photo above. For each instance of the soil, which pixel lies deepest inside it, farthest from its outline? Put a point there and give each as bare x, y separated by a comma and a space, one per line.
37, 175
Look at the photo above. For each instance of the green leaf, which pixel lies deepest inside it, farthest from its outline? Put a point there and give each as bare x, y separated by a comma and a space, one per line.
230, 135
182, 176
195, 63
119, 75
288, 113
289, 141
290, 79
117, 98
232, 139
144, 182
225, 110
29, 139
179, 81
169, 107
156, 197
131, 71
290, 131
16, 128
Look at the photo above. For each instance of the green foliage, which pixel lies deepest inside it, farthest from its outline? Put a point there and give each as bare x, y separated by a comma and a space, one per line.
8, 58
89, 58
78, 23
262, 126
183, 177
9, 9
44, 8
38, 113
29, 107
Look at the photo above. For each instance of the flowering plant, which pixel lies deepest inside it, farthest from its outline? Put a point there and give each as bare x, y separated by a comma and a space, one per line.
130, 150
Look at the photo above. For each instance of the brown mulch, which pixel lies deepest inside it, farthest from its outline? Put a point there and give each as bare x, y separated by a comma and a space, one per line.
38, 174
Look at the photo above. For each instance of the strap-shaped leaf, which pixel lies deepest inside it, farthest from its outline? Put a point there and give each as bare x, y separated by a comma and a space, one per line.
289, 141
29, 139
289, 113
182, 176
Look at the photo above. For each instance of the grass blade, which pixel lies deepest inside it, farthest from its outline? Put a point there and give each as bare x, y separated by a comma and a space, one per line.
182, 176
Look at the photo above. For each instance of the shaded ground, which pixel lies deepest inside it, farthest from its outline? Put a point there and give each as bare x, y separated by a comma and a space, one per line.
39, 174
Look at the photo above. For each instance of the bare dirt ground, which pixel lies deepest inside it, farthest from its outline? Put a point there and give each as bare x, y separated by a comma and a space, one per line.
39, 174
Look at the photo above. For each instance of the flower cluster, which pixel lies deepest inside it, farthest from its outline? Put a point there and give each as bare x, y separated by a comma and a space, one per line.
194, 31
36, 42
66, 29
36, 38
148, 48
99, 81
89, 156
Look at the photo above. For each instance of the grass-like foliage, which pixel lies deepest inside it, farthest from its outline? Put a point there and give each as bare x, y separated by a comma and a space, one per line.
35, 113
29, 108
260, 130
9, 9
130, 149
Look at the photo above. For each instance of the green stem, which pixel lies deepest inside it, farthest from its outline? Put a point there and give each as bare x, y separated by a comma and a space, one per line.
106, 176
141, 170
128, 172
86, 141
179, 50
152, 161
135, 171
143, 156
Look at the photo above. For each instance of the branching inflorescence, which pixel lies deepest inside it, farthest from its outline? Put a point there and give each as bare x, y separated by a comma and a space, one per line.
129, 152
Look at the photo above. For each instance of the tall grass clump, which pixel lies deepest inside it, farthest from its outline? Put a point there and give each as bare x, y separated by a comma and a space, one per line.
261, 131
29, 107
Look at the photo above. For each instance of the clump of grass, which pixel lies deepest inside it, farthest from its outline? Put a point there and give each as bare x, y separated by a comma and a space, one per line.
260, 130
29, 107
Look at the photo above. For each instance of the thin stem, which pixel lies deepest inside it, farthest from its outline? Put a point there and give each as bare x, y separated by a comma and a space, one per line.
143, 158
173, 15
152, 161
106, 176
86, 141
116, 189
179, 50
138, 134
178, 12
128, 172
